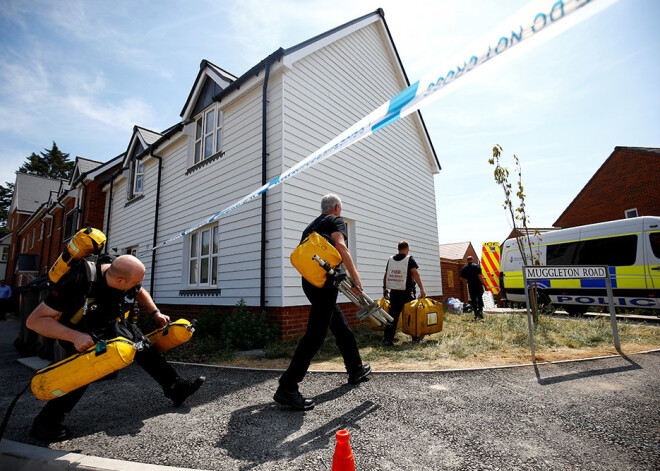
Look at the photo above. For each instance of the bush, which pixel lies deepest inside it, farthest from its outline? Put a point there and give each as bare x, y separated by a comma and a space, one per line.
241, 330
244, 330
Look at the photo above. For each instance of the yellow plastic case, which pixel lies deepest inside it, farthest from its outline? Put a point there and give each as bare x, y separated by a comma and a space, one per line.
83, 368
422, 317
301, 258
172, 335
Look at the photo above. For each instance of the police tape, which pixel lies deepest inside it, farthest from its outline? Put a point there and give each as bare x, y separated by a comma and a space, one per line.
419, 94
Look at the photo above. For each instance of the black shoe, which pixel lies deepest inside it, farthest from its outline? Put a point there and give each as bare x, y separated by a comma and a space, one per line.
295, 400
388, 343
182, 389
49, 431
359, 375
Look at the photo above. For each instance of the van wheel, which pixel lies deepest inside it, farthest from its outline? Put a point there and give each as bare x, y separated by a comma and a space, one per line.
573, 310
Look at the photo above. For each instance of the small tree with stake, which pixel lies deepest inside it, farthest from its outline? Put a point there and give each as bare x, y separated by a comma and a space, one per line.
519, 219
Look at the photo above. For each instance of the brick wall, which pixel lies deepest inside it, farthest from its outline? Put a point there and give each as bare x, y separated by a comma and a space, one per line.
453, 286
628, 179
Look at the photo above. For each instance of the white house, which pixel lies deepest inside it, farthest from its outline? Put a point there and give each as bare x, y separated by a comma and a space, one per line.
239, 132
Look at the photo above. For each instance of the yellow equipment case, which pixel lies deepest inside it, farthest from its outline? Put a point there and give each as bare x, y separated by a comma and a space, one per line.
422, 317
303, 261
385, 304
83, 368
172, 335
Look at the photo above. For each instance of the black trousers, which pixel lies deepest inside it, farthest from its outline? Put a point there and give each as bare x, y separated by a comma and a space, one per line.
324, 314
476, 299
398, 298
149, 359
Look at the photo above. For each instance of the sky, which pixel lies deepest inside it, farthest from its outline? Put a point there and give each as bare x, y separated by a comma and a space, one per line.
83, 73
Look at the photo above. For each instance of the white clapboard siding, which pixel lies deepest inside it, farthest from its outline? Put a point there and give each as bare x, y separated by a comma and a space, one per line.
385, 181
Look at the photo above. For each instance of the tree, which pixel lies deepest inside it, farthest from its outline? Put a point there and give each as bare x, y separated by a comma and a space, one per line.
51, 163
519, 219
6, 193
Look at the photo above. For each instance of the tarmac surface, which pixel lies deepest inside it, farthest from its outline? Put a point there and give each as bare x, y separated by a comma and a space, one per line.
600, 414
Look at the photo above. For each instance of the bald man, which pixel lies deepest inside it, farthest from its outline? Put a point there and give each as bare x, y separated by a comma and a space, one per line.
62, 316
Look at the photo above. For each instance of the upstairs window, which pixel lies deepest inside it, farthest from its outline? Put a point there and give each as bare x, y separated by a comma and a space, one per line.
203, 258
71, 223
5, 253
208, 134
136, 187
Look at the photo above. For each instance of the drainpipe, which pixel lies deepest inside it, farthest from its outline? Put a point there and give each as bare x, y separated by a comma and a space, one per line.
84, 203
43, 241
264, 103
153, 252
60, 239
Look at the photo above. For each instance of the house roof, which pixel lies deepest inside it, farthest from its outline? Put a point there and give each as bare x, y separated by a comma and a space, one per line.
30, 191
454, 251
602, 168
228, 83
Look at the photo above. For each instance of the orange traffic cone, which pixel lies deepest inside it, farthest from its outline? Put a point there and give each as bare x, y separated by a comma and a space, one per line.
343, 460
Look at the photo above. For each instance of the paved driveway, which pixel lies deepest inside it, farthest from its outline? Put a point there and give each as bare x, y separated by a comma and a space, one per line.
595, 415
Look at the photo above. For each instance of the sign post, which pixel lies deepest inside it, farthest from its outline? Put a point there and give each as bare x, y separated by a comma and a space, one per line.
558, 272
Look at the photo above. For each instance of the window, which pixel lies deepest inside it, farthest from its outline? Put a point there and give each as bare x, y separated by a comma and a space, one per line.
131, 251
561, 254
4, 254
203, 257
71, 223
208, 135
654, 239
139, 179
631, 213
613, 251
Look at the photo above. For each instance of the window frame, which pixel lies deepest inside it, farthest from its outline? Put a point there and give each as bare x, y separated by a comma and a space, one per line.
198, 257
628, 213
4, 253
65, 235
207, 129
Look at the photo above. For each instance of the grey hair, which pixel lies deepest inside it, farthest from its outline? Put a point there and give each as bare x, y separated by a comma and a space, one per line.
328, 202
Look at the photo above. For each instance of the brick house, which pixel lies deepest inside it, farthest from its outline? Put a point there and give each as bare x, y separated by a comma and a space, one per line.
625, 186
453, 257
40, 236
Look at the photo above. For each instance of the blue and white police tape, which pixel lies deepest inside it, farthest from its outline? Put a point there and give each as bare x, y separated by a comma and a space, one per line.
418, 94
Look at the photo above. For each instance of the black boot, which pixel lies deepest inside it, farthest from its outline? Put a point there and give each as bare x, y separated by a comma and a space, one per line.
359, 375
293, 399
182, 389
48, 430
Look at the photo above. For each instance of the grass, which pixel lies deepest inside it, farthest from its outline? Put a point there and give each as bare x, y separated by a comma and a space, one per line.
499, 339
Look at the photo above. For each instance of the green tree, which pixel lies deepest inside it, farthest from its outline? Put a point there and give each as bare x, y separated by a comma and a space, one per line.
519, 219
51, 163
6, 193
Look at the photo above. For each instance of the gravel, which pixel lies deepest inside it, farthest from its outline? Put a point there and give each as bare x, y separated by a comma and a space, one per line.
591, 415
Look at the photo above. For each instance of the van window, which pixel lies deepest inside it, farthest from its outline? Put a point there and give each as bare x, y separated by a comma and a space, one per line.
612, 251
654, 238
561, 254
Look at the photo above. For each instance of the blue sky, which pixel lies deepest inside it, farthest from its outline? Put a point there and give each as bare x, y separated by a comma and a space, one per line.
82, 73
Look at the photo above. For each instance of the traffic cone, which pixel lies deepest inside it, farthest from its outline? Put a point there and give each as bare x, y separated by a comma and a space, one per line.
343, 460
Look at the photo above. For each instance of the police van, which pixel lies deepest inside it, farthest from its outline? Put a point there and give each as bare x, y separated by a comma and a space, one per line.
631, 248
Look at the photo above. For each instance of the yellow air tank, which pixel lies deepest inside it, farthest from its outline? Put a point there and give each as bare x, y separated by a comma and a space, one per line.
83, 368
85, 242
172, 335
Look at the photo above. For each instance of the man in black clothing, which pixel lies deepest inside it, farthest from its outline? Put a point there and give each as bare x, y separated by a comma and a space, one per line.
83, 308
472, 273
399, 282
323, 314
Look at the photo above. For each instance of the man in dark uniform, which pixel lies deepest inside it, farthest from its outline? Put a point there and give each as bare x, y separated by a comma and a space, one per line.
323, 314
472, 273
399, 283
80, 312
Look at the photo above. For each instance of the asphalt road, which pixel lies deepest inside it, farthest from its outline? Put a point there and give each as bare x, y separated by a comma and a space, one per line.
592, 415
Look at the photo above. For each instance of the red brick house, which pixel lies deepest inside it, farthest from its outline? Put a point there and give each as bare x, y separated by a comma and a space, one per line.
39, 237
625, 186
453, 257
